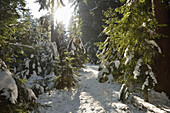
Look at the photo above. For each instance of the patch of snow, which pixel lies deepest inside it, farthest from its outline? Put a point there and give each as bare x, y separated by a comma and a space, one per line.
129, 2
39, 69
102, 61
104, 70
34, 77
27, 63
33, 65
34, 74
137, 69
150, 107
32, 80
2, 64
72, 52
159, 99
153, 43
73, 47
50, 78
126, 50
31, 56
31, 95
8, 86
110, 78
152, 75
88, 48
117, 63
128, 58
94, 8
143, 24
37, 86
19, 44
146, 83
90, 97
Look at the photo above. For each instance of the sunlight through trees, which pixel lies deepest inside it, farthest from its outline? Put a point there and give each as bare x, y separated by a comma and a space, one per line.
84, 56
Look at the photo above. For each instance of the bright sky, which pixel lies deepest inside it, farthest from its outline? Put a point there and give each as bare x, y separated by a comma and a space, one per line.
62, 14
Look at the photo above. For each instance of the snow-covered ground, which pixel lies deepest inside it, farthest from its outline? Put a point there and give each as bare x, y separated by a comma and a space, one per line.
90, 97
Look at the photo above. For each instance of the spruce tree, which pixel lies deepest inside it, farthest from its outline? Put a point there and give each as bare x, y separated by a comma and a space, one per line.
130, 47
75, 44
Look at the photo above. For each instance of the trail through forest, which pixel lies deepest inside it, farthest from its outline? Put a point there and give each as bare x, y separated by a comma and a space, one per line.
90, 97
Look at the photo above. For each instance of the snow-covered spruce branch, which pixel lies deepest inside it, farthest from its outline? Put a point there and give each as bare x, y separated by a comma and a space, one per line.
19, 44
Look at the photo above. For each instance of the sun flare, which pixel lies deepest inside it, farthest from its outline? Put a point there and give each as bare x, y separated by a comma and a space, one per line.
63, 14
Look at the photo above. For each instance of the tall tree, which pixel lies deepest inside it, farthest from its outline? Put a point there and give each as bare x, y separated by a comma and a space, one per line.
91, 13
15, 27
75, 45
133, 42
161, 10
10, 11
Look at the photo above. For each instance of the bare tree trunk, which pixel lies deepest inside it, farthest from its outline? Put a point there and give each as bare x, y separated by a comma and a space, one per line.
52, 22
53, 37
160, 12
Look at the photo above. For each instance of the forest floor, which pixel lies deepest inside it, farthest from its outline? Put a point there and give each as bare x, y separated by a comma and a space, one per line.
90, 97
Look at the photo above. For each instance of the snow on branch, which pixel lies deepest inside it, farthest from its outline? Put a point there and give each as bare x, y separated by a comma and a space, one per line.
22, 45
153, 43
136, 72
8, 86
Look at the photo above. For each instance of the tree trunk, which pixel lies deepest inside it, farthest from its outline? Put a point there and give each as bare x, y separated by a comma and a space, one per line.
160, 11
53, 37
52, 22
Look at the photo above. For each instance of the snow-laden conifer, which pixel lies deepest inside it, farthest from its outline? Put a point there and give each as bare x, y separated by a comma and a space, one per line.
130, 30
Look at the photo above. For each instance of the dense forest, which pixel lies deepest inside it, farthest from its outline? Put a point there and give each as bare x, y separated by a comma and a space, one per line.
125, 41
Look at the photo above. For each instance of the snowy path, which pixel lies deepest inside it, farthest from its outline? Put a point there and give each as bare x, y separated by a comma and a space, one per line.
91, 97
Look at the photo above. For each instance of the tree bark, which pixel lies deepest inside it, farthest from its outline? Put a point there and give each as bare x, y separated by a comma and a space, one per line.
53, 37
160, 12
52, 22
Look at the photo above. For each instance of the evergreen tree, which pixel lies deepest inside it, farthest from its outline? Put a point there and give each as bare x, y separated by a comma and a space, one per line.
14, 30
71, 58
8, 22
64, 68
44, 26
75, 45
130, 48
91, 13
